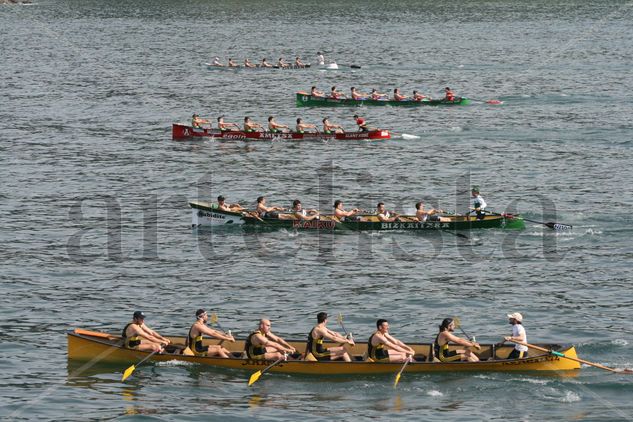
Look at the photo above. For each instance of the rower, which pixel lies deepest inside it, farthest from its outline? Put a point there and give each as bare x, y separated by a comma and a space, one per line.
263, 344
362, 124
340, 213
320, 59
418, 96
250, 126
300, 214
301, 127
423, 215
330, 128
232, 63
314, 92
397, 96
445, 336
247, 63
375, 95
518, 334
282, 64
385, 216
216, 62
195, 337
267, 212
275, 127
383, 347
299, 63
197, 122
448, 95
138, 336
336, 94
356, 95
229, 208
226, 126
320, 332
477, 203
264, 63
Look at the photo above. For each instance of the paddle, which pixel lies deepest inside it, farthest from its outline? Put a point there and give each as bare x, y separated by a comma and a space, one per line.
131, 369
562, 355
253, 379
553, 226
214, 321
458, 324
395, 382
339, 319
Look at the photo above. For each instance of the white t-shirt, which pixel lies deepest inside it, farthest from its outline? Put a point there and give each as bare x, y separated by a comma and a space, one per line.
478, 200
519, 331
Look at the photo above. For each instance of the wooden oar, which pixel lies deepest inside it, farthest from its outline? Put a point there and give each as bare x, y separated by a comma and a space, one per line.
458, 324
131, 369
586, 362
395, 382
339, 319
253, 379
551, 225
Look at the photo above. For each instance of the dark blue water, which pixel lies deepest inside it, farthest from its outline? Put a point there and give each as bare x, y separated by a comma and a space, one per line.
95, 221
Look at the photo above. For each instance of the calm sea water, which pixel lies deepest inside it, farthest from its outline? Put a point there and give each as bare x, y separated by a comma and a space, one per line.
95, 222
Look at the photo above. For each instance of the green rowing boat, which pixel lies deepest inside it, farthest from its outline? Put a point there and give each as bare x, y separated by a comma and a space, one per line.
304, 99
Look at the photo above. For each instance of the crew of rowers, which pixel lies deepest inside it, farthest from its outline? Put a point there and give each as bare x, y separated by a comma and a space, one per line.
449, 95
296, 211
273, 127
262, 344
281, 63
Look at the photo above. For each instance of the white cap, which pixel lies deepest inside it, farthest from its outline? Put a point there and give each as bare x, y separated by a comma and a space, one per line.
516, 316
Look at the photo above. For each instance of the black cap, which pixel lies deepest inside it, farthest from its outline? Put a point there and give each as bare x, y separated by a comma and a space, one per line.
200, 312
138, 315
221, 198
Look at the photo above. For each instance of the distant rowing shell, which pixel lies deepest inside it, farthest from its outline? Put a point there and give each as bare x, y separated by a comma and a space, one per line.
304, 99
211, 66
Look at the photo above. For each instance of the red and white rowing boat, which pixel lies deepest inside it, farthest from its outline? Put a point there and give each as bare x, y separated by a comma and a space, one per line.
182, 132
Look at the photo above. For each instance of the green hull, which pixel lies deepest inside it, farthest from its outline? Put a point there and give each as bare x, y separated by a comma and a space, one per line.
306, 100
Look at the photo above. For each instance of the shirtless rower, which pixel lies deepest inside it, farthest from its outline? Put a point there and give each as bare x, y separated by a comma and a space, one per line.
362, 124
301, 127
356, 95
446, 336
264, 63
247, 63
449, 95
397, 96
263, 344
264, 211
417, 96
375, 95
196, 333
197, 122
329, 128
282, 64
383, 347
336, 94
229, 208
385, 216
232, 63
299, 213
314, 92
216, 62
275, 127
251, 126
138, 336
340, 213
320, 332
423, 215
226, 126
299, 63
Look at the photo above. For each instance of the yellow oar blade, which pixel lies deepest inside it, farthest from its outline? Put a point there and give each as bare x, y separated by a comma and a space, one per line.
253, 379
128, 372
214, 318
395, 383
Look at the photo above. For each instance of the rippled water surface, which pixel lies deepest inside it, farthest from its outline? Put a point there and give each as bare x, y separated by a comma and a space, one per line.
95, 221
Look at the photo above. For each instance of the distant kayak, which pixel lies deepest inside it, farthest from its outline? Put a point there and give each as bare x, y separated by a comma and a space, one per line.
304, 99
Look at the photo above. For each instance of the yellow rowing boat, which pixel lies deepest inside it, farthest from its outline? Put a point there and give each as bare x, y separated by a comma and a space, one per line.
103, 348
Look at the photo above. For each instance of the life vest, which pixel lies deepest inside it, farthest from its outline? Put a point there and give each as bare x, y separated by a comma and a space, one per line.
450, 96
254, 351
378, 352
130, 342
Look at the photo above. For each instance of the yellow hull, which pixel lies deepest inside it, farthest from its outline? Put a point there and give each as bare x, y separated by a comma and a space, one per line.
101, 348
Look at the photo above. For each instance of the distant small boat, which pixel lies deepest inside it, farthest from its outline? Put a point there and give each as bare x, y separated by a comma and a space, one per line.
304, 99
211, 66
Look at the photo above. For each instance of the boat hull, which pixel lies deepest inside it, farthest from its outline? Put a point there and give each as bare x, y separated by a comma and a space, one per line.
102, 348
304, 99
366, 223
182, 132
